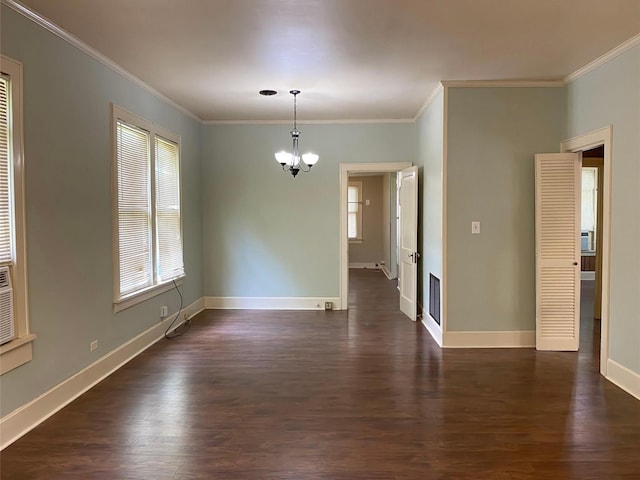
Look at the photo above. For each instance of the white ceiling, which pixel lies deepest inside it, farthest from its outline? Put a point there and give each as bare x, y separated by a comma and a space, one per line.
352, 59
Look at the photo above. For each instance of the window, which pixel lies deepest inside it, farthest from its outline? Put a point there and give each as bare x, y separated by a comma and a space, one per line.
589, 197
354, 211
147, 223
16, 340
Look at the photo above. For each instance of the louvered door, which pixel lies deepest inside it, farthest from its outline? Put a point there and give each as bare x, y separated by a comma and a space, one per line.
557, 251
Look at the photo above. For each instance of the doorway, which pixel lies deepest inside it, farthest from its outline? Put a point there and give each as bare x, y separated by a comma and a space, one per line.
598, 142
347, 170
591, 250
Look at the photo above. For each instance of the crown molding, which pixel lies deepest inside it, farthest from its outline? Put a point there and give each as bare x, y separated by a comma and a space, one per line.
503, 83
432, 96
83, 47
610, 55
354, 121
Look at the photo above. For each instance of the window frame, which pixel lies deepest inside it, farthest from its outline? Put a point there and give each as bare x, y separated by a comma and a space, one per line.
122, 302
359, 237
19, 350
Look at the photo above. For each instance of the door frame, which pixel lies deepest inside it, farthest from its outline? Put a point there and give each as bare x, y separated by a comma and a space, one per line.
345, 170
580, 143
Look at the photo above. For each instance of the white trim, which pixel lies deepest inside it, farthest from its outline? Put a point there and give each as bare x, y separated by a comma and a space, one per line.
432, 96
350, 121
386, 272
17, 352
610, 55
146, 294
22, 353
269, 303
367, 265
506, 339
624, 378
432, 327
503, 83
17, 423
445, 153
345, 169
603, 136
83, 47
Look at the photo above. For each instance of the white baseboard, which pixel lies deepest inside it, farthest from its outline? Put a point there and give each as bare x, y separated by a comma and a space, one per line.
509, 339
386, 272
270, 303
370, 265
17, 423
432, 327
624, 378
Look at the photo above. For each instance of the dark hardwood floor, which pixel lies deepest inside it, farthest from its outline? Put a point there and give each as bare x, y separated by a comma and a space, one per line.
315, 395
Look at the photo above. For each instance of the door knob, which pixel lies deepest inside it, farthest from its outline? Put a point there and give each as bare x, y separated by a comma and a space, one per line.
575, 263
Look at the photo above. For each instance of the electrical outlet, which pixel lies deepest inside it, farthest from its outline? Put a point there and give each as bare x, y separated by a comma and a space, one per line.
328, 305
93, 345
164, 311
185, 315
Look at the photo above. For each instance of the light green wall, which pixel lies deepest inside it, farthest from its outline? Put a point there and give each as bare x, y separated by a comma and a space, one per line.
370, 250
430, 155
267, 234
610, 95
67, 116
493, 134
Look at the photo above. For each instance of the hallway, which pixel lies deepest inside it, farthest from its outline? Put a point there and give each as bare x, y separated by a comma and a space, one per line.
363, 394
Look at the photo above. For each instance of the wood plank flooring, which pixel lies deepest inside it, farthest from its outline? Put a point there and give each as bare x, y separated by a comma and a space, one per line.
360, 395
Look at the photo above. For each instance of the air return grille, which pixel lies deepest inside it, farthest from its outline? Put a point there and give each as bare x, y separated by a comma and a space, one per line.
434, 298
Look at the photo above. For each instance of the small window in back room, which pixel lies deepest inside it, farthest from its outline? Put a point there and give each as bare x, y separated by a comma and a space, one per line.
589, 215
354, 210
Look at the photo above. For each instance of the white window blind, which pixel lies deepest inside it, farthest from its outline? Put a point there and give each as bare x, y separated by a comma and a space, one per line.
147, 210
6, 191
168, 225
134, 208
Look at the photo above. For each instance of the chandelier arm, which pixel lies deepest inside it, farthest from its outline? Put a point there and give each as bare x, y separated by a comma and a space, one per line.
302, 168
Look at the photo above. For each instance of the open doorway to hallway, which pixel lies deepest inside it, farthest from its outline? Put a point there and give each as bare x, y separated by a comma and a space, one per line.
354, 202
591, 251
372, 229
602, 137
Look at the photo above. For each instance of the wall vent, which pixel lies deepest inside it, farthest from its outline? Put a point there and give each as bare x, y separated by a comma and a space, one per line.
434, 297
7, 324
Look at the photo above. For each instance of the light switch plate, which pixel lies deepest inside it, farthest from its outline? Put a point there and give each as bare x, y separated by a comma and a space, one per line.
475, 227
367, 202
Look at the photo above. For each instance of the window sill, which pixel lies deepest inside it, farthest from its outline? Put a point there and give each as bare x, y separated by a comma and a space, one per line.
15, 353
355, 240
146, 294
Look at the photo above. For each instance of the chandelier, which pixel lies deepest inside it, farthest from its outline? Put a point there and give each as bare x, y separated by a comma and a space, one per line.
294, 162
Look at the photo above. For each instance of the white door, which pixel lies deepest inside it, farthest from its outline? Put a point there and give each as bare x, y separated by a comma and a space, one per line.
558, 189
408, 241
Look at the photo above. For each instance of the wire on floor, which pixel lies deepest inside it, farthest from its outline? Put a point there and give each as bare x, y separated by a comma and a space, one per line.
177, 332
